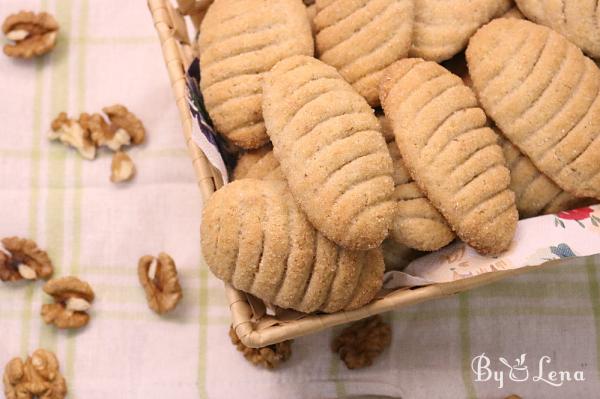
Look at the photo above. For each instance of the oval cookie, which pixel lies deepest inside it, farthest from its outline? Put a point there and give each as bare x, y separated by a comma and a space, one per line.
258, 164
255, 238
329, 144
360, 38
443, 28
535, 193
450, 152
417, 223
239, 41
543, 94
578, 20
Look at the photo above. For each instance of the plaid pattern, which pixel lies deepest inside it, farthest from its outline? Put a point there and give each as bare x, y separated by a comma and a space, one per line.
108, 53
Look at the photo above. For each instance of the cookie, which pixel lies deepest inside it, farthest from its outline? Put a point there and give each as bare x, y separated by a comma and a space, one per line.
417, 223
240, 40
360, 38
258, 164
255, 238
543, 94
329, 144
535, 193
443, 28
248, 159
450, 152
578, 20
513, 12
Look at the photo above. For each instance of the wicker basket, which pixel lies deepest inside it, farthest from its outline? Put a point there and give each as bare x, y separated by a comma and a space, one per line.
178, 53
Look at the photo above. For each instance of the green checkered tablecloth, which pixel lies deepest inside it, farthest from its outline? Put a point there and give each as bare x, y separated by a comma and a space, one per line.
108, 53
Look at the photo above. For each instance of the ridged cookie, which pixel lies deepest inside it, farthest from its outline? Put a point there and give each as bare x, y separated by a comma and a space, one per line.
543, 93
255, 237
450, 152
443, 28
535, 193
578, 20
329, 144
239, 41
360, 38
258, 164
417, 224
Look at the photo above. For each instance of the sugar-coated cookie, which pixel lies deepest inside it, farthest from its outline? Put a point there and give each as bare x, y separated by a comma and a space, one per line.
240, 40
543, 94
360, 38
256, 238
417, 223
443, 28
329, 144
450, 152
578, 20
535, 193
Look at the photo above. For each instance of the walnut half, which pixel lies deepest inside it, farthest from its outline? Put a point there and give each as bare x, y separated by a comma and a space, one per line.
33, 34
72, 299
121, 118
21, 258
269, 356
361, 342
160, 282
73, 132
37, 377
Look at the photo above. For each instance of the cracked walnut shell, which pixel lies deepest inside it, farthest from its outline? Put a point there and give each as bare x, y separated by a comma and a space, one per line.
37, 377
33, 34
160, 282
72, 299
72, 132
361, 342
21, 258
269, 356
122, 118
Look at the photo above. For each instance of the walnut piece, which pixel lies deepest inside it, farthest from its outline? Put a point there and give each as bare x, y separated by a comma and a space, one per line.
103, 134
33, 34
361, 342
122, 168
71, 132
269, 356
21, 258
160, 282
37, 377
72, 299
121, 118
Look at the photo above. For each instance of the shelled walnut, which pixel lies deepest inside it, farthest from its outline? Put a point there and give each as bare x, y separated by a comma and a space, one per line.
33, 34
121, 118
160, 282
71, 132
103, 134
122, 168
38, 377
269, 356
21, 258
361, 342
72, 299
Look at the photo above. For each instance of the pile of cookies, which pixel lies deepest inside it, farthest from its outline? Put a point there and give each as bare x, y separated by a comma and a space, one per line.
351, 132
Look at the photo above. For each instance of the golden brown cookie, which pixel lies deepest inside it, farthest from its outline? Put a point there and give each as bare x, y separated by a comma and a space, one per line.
239, 41
329, 144
443, 28
360, 38
535, 193
256, 238
417, 223
578, 20
258, 164
543, 94
450, 152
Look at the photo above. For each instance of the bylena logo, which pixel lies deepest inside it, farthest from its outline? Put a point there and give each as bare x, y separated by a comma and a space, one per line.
518, 371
